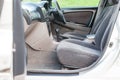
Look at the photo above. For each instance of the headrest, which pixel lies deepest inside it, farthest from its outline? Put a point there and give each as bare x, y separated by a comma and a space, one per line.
112, 2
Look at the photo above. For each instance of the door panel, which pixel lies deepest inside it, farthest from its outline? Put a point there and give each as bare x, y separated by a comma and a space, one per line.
80, 15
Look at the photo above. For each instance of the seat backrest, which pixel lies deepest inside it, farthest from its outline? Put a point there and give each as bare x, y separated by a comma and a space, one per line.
99, 20
105, 24
100, 8
99, 15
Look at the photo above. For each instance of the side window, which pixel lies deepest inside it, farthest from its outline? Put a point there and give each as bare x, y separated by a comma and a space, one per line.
31, 0
78, 3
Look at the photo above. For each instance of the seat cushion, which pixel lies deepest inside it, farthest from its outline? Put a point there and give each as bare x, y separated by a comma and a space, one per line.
77, 54
74, 35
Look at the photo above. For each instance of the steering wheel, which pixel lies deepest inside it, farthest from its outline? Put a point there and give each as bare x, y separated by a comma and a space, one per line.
60, 15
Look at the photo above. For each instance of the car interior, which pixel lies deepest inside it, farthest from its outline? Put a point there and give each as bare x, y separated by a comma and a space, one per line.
66, 40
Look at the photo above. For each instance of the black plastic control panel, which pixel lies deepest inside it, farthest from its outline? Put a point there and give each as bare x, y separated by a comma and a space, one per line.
34, 11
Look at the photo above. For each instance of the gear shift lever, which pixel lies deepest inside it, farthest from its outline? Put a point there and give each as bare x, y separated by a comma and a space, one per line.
57, 34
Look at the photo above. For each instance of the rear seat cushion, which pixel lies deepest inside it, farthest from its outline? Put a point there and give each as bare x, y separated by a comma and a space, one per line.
77, 54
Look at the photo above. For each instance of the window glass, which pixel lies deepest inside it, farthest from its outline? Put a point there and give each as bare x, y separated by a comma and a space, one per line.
78, 3
31, 0
73, 3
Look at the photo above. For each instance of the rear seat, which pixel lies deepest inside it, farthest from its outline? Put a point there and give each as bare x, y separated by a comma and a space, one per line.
79, 54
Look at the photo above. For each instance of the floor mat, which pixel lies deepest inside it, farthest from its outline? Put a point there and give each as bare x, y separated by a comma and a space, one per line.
42, 59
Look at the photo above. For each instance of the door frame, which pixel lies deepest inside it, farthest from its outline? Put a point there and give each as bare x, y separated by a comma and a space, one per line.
19, 55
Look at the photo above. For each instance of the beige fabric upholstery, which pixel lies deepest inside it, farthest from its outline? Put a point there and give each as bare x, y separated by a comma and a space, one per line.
37, 36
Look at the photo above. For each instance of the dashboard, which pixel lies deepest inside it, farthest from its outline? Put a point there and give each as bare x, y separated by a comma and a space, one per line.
34, 11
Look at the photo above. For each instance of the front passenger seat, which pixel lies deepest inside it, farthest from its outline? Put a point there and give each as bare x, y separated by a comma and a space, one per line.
73, 53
